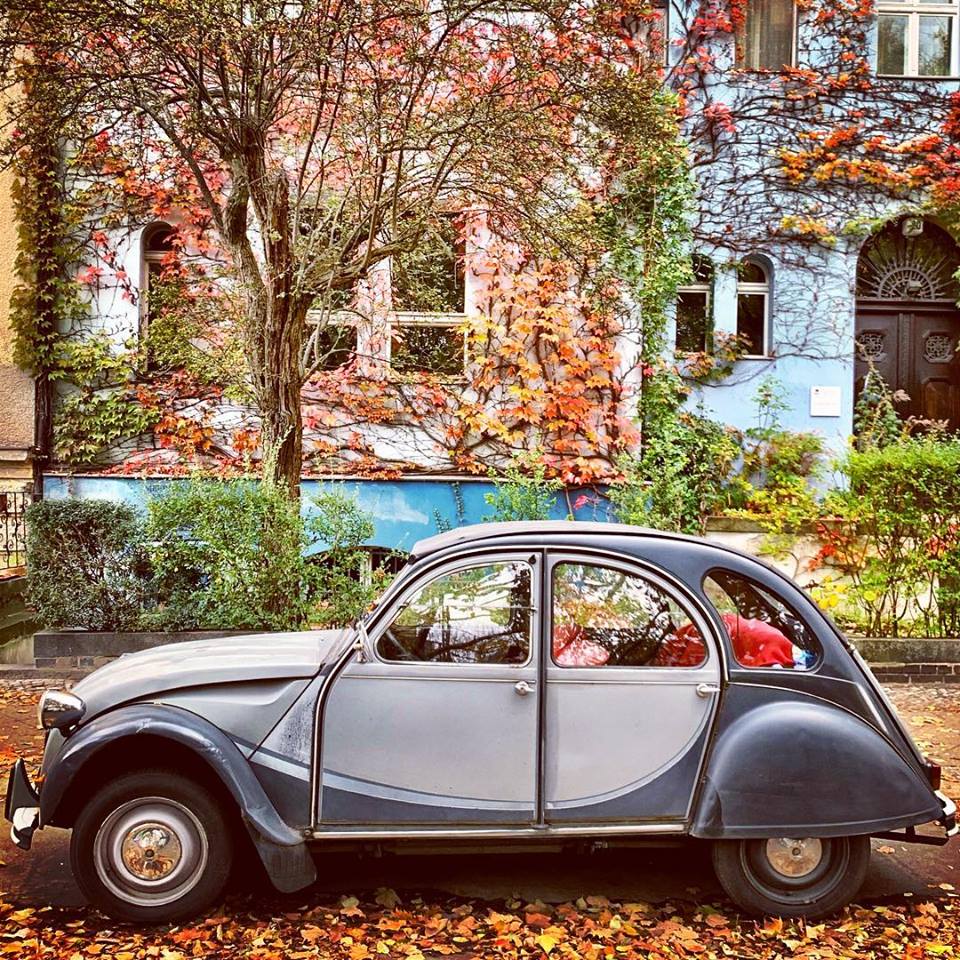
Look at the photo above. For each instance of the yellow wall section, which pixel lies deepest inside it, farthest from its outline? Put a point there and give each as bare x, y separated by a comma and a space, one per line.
16, 387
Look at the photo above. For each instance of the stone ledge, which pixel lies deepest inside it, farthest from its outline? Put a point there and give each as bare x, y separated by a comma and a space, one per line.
908, 649
87, 650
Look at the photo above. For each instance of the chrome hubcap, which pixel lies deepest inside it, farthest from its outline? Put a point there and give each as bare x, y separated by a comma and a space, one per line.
150, 851
794, 858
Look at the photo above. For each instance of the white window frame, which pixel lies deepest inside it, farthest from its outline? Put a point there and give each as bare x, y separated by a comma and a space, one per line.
407, 318
740, 45
913, 10
755, 289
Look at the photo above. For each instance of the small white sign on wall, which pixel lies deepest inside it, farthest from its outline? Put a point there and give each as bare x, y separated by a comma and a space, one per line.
825, 401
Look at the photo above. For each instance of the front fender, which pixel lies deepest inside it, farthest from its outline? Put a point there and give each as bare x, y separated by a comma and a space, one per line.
785, 764
281, 848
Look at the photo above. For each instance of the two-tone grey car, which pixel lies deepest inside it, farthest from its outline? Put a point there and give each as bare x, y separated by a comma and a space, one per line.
529, 683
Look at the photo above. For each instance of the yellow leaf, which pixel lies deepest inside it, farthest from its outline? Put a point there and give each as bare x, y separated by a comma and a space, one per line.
546, 943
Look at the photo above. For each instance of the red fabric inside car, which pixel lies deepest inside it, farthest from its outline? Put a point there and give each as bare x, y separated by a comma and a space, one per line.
756, 643
571, 648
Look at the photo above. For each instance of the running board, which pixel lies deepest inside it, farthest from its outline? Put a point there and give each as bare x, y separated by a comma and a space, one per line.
498, 833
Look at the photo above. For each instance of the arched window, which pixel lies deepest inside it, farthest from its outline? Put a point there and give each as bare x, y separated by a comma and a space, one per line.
155, 246
753, 308
695, 309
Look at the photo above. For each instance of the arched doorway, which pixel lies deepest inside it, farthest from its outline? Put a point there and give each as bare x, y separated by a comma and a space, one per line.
908, 324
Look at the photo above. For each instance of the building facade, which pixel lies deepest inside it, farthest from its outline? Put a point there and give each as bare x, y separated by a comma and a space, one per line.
818, 255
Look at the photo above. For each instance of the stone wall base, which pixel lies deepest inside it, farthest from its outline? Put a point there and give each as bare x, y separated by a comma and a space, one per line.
916, 672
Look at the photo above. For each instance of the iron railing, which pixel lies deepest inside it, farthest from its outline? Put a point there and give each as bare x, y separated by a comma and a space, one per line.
13, 530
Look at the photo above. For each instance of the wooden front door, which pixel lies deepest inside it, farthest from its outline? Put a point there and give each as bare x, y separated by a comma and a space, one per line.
913, 346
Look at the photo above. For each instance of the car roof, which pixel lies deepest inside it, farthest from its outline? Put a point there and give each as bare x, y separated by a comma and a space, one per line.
477, 532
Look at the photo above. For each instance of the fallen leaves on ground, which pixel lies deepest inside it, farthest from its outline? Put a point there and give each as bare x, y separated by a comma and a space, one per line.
592, 928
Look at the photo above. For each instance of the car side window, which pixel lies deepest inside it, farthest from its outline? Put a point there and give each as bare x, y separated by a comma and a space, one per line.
478, 615
606, 617
764, 632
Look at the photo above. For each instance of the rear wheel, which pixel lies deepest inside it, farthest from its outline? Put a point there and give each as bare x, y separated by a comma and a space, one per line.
791, 877
153, 846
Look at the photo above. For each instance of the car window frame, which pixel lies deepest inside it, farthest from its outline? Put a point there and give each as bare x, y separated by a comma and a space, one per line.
445, 567
685, 598
776, 594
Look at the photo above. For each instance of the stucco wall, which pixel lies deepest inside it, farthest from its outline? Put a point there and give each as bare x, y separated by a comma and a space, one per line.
16, 387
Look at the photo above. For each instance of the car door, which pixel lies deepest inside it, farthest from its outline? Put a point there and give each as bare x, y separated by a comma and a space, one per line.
632, 684
438, 724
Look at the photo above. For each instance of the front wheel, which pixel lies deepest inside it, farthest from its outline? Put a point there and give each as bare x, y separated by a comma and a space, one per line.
788, 877
152, 847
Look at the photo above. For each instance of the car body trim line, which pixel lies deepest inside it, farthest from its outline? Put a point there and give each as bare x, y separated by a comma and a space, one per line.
386, 791
299, 771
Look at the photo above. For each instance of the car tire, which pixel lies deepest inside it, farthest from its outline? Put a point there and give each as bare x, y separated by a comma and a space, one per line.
792, 878
152, 847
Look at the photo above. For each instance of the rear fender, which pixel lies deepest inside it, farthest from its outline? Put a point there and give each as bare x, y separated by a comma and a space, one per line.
786, 764
281, 848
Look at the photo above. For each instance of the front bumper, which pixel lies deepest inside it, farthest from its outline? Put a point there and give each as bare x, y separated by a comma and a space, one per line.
22, 806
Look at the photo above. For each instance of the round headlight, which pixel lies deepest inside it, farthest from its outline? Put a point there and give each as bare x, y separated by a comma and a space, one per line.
60, 710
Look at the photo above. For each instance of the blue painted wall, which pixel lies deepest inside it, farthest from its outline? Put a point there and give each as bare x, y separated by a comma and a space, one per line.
403, 511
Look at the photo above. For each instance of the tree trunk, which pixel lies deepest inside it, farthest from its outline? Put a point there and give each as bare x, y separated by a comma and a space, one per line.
275, 315
283, 423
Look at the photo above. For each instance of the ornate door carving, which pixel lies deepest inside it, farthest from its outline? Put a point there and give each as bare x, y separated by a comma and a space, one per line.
915, 352
908, 324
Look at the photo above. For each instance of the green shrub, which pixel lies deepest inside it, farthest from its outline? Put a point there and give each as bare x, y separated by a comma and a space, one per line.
85, 564
896, 533
227, 554
341, 582
680, 477
524, 492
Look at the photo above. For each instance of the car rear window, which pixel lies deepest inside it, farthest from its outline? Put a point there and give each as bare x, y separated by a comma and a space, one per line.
764, 631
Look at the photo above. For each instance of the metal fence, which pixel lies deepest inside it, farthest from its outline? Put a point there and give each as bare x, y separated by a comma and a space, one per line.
13, 530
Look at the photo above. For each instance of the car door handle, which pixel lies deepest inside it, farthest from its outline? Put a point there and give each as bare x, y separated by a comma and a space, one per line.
707, 689
523, 688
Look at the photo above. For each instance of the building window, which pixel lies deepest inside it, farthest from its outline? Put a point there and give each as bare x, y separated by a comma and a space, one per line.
156, 251
335, 345
916, 38
430, 278
767, 38
428, 343
156, 246
695, 308
753, 308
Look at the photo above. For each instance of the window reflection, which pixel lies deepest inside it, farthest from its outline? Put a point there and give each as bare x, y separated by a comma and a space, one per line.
605, 617
479, 615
